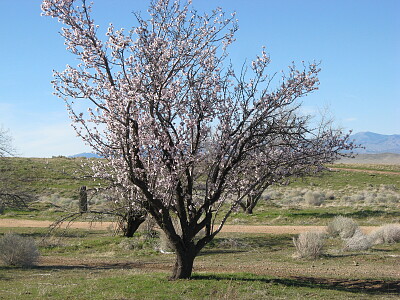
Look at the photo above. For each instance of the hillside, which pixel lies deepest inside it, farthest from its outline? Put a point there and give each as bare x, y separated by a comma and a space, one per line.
44, 176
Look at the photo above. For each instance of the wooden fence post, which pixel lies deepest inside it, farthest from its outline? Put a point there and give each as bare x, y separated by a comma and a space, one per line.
83, 204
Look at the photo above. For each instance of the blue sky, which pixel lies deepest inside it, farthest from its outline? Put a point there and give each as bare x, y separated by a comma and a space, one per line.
357, 42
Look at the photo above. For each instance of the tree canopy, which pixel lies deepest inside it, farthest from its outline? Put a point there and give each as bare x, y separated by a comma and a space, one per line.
178, 124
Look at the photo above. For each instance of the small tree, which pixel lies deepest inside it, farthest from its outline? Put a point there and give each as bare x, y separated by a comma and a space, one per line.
180, 126
10, 196
6, 148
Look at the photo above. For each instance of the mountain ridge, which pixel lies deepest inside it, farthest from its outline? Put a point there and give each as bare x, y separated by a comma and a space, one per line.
375, 143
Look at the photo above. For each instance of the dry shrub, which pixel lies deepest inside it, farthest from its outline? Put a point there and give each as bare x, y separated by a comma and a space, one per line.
358, 242
309, 244
16, 250
343, 227
149, 228
232, 243
389, 233
314, 198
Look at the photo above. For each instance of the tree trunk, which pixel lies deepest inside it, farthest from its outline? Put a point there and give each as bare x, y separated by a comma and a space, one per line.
132, 224
183, 264
249, 209
250, 204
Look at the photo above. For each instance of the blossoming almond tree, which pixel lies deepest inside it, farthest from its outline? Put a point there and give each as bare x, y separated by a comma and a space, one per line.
177, 124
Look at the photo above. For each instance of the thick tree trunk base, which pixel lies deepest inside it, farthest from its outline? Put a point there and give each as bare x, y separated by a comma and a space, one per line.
183, 266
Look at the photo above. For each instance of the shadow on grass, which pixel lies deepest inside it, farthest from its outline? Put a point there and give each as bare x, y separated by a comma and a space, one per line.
220, 251
95, 266
369, 286
247, 243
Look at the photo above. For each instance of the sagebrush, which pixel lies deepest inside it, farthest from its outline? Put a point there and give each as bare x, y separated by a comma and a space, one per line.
309, 244
16, 250
343, 227
386, 234
358, 242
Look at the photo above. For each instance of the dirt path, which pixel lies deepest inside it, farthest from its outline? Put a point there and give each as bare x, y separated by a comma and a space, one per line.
227, 228
366, 171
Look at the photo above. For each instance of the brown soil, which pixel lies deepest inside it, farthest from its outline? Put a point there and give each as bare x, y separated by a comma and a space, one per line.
283, 229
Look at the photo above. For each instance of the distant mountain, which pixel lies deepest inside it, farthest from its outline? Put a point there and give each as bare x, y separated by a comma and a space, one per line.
375, 143
87, 155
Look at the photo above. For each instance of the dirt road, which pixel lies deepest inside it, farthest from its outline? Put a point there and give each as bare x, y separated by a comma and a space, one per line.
227, 228
366, 171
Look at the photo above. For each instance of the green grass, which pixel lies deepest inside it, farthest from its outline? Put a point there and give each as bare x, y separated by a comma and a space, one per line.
64, 176
234, 266
88, 264
368, 167
44, 176
271, 215
337, 180
75, 284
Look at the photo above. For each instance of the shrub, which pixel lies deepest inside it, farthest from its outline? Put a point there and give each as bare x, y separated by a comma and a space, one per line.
309, 244
232, 243
148, 228
16, 250
314, 198
386, 234
343, 227
358, 242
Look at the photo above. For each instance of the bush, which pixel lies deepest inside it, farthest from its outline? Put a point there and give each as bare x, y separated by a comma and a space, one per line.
386, 234
148, 228
358, 242
16, 250
309, 244
343, 227
314, 198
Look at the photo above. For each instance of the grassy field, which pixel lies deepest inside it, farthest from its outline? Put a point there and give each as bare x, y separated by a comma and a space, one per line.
89, 264
82, 264
46, 177
369, 197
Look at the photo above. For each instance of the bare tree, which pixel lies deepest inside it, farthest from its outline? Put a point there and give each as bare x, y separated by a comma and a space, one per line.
6, 148
178, 124
10, 198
